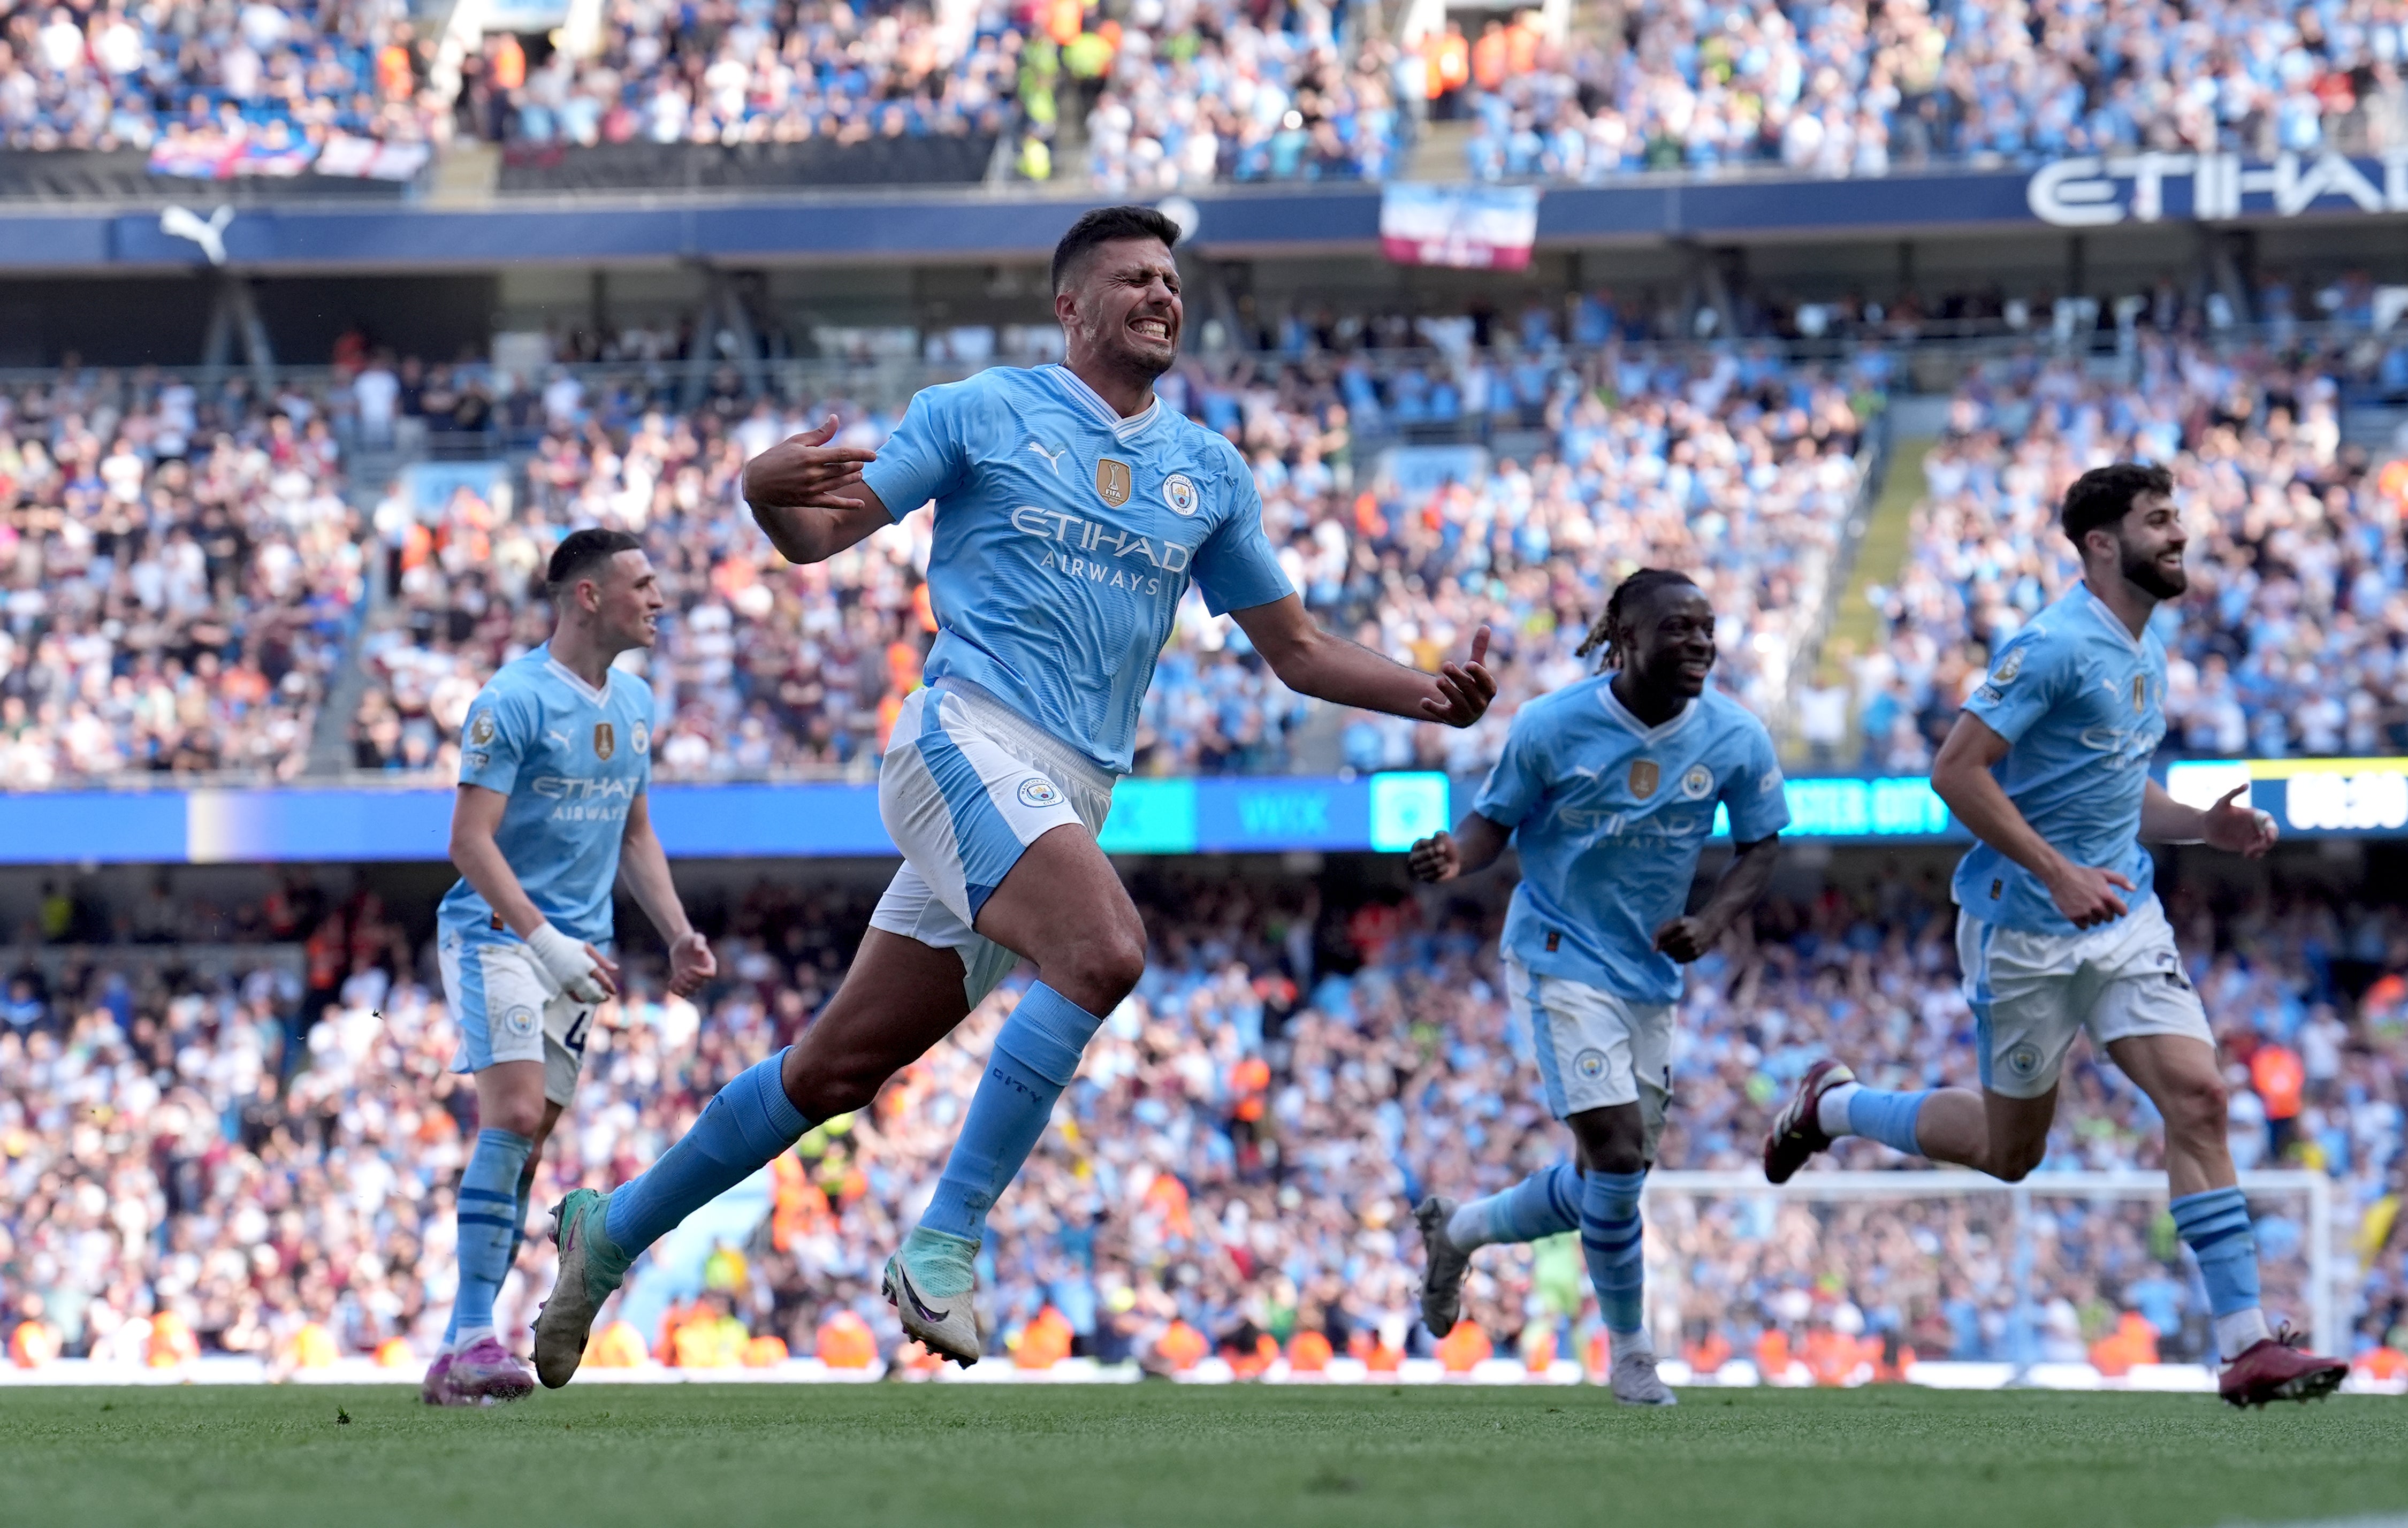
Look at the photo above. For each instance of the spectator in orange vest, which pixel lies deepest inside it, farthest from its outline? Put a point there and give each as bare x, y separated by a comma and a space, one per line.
1446, 66
508, 69
1488, 58
2281, 1080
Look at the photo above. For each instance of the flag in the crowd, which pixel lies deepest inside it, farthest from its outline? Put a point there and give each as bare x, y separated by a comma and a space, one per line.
210, 155
1470, 227
367, 158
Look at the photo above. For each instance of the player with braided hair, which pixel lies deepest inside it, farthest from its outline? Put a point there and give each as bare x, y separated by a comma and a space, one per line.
1600, 639
1611, 788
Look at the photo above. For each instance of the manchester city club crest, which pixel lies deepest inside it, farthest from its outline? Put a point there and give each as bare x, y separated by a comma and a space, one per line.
1180, 493
641, 740
1645, 773
519, 1022
1112, 481
1039, 793
606, 741
1590, 1064
1698, 783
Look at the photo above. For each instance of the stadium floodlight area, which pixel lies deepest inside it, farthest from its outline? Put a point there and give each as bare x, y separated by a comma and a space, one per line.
1907, 1235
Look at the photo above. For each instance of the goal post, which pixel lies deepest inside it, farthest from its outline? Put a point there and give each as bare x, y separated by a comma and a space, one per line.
1706, 1228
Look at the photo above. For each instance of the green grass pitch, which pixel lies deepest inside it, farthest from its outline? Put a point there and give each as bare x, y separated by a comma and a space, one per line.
1158, 1455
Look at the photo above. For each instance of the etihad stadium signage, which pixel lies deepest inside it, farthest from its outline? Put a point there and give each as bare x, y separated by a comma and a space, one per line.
2099, 191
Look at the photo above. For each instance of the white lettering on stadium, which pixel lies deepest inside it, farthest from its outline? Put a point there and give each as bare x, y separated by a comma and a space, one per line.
2089, 191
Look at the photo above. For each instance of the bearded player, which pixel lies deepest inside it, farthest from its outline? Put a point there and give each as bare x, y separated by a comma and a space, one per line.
2058, 930
1072, 511
555, 759
1608, 788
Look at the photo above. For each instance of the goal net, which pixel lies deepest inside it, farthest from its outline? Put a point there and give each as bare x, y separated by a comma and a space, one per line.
1837, 1277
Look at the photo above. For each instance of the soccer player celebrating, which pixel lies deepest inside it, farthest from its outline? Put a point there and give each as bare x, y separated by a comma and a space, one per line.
2057, 929
554, 758
1072, 511
1609, 786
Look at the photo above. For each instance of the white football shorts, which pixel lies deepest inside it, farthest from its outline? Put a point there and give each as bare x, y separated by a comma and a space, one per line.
507, 1011
967, 786
1594, 1050
2032, 992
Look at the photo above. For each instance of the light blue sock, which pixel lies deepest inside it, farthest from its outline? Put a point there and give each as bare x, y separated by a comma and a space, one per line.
2215, 1225
1545, 1204
1035, 1056
1886, 1117
745, 1127
489, 1187
1610, 1239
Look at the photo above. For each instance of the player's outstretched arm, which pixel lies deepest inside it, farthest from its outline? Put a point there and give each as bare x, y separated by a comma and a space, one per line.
2228, 825
808, 495
1313, 661
581, 970
1961, 777
1743, 886
1472, 848
644, 865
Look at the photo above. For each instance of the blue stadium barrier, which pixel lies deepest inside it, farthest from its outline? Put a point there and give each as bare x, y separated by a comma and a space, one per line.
2081, 193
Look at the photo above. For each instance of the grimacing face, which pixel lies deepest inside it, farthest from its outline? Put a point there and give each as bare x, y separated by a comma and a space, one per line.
2149, 542
1669, 642
1122, 306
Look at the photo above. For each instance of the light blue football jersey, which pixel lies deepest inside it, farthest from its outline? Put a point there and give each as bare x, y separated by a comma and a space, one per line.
1065, 538
2081, 699
1609, 816
572, 760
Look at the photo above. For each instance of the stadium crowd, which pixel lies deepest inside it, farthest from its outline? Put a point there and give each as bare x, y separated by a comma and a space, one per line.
1738, 466
1841, 91
1176, 93
2289, 640
179, 576
223, 1164
275, 79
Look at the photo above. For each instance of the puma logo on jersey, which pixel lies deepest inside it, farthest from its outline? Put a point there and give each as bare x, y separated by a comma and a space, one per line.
560, 738
1053, 458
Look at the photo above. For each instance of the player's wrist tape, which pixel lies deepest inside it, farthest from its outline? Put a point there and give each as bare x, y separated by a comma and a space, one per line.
563, 958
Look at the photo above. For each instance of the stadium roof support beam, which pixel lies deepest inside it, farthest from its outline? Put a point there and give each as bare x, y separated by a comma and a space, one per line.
723, 332
234, 314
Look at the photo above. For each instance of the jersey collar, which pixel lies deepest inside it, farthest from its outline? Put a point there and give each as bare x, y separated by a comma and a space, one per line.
570, 677
1105, 414
2110, 619
1621, 713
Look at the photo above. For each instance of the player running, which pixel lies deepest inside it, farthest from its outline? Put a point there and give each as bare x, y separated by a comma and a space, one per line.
554, 758
1608, 788
1073, 509
2058, 928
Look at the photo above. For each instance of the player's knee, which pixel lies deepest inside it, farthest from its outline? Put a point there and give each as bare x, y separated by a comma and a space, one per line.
2195, 1108
519, 1116
1104, 967
2011, 1162
838, 1085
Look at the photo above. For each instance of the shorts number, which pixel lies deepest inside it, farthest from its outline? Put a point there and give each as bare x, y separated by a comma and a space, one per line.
574, 1041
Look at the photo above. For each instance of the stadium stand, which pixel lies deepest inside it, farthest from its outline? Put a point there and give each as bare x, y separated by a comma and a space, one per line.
1738, 466
1182, 92
1837, 91
182, 577
2288, 643
257, 1138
